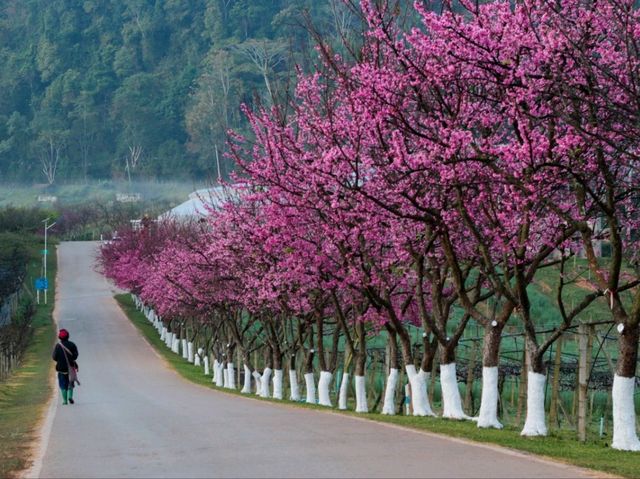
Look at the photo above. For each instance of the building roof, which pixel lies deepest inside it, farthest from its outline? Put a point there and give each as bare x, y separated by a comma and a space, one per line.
197, 204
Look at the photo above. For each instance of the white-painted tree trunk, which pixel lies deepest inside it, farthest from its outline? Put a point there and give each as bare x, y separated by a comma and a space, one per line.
215, 371
294, 394
534, 424
625, 437
277, 384
220, 375
246, 386
258, 379
310, 387
190, 355
163, 334
344, 389
231, 376
176, 345
264, 382
168, 339
185, 350
419, 399
361, 395
451, 400
324, 385
424, 378
206, 365
488, 415
225, 377
389, 405
197, 356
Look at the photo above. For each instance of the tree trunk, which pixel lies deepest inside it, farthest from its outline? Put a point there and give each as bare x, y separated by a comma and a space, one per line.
360, 368
451, 400
488, 415
294, 389
266, 373
624, 416
389, 406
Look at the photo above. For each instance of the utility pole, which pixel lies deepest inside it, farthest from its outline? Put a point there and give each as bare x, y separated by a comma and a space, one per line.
44, 255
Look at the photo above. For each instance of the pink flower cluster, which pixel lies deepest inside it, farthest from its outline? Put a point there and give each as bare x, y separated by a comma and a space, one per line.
443, 166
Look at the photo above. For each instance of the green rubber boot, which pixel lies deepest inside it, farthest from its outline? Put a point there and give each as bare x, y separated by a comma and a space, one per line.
65, 395
70, 396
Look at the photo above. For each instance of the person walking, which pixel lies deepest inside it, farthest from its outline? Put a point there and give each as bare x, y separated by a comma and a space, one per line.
65, 354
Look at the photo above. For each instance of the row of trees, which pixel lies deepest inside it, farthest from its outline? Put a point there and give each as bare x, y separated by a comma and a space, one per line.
118, 89
423, 181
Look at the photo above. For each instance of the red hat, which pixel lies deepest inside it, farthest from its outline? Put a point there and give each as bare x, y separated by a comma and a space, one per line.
63, 334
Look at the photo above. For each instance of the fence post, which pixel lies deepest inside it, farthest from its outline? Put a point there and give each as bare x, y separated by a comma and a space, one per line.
471, 365
555, 384
583, 339
522, 387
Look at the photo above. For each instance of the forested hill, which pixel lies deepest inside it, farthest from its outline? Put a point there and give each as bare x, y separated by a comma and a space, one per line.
96, 89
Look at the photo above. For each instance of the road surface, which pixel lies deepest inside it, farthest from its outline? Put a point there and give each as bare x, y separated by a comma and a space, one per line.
134, 417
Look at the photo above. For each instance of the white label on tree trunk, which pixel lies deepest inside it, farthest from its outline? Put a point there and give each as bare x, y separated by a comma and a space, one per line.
488, 416
344, 389
246, 385
266, 378
625, 437
310, 385
231, 373
389, 405
324, 398
451, 400
277, 384
361, 395
206, 365
534, 424
293, 383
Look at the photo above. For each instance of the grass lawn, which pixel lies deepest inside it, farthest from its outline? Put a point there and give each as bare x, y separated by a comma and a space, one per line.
24, 396
560, 444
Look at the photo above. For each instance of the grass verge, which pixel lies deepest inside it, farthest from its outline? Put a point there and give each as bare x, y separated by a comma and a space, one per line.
24, 396
559, 445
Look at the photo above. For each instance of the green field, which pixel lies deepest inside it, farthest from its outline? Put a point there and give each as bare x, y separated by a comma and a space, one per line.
97, 191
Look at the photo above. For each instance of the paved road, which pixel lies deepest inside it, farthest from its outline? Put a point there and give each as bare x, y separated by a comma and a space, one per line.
136, 418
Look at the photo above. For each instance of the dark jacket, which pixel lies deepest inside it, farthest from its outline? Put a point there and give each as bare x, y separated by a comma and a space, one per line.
61, 361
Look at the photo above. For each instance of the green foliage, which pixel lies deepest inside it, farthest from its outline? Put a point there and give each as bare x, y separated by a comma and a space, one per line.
24, 396
13, 263
85, 81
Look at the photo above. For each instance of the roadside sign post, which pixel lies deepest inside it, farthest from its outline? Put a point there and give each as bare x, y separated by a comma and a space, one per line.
42, 284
